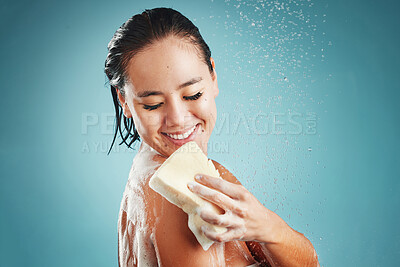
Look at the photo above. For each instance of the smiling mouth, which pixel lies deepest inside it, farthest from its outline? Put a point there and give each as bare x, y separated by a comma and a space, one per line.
183, 135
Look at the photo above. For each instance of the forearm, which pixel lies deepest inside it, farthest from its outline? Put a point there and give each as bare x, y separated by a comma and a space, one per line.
285, 248
271, 241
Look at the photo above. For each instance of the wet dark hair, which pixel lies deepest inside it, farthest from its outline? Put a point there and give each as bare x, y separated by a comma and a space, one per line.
133, 37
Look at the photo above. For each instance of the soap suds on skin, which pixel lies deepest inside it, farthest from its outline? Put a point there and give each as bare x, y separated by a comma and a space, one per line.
137, 239
139, 252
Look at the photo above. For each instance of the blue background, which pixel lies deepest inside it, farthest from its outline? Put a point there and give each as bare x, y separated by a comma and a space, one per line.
308, 121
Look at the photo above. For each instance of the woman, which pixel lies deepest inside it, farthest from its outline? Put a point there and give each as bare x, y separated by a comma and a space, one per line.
164, 84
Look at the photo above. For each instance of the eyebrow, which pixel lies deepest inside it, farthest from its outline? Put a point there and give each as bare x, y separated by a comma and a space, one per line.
192, 81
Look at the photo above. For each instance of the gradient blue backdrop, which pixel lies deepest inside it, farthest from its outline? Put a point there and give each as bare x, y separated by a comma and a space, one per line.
308, 121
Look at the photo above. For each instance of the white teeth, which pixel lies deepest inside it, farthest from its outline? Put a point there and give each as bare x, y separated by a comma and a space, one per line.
182, 136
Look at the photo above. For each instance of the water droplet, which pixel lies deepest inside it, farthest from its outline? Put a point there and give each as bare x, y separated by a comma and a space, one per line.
309, 149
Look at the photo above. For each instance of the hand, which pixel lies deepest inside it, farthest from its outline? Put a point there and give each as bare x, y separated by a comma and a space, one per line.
245, 217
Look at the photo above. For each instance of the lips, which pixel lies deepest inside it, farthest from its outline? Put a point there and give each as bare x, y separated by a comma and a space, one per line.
180, 138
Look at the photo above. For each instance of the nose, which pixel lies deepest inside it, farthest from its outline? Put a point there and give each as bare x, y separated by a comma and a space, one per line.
176, 112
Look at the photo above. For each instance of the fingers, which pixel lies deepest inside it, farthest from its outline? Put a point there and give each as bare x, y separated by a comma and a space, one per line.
224, 220
212, 196
234, 199
233, 190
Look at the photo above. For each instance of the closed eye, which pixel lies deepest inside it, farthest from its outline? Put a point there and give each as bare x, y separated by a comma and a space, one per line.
193, 97
151, 107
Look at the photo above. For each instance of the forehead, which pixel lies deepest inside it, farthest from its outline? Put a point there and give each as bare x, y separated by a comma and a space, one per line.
165, 65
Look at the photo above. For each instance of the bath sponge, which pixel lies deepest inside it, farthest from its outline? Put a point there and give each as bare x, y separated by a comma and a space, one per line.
171, 178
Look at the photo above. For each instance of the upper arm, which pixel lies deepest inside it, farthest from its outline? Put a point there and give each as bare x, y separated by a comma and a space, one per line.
126, 234
175, 244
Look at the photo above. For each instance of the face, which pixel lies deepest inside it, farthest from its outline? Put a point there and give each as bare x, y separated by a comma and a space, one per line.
170, 96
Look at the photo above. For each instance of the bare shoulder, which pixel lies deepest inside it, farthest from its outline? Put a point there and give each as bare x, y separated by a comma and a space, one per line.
225, 173
174, 243
166, 239
138, 215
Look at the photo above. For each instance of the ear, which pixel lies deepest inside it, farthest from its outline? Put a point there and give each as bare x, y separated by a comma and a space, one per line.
124, 105
214, 78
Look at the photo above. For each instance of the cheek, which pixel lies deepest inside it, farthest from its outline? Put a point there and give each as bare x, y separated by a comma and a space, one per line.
207, 109
146, 122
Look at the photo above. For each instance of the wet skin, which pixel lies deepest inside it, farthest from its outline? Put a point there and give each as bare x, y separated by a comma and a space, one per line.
171, 97
164, 233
